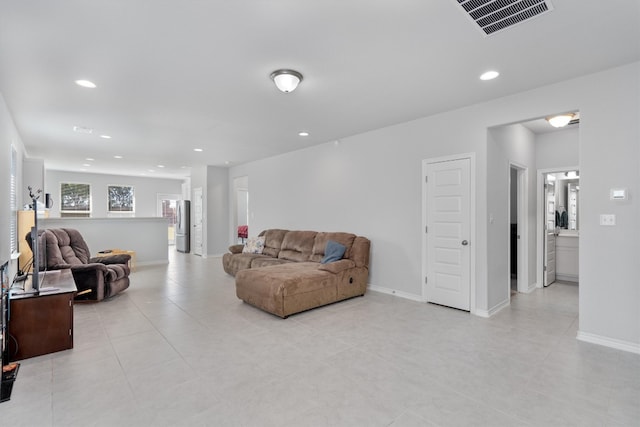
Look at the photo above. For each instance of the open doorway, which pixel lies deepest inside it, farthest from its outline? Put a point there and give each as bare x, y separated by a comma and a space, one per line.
560, 225
166, 207
241, 207
518, 229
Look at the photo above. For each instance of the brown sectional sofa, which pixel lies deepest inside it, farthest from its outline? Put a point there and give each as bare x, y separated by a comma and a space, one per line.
288, 277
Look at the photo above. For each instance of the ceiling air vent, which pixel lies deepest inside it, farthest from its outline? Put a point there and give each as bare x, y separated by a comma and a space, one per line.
496, 15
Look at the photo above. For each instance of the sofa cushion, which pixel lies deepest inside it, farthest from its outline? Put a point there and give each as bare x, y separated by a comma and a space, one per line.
254, 245
265, 261
297, 246
320, 244
273, 241
286, 289
232, 263
65, 247
333, 252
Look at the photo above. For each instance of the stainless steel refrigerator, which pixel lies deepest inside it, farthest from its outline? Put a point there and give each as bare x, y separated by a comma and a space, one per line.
183, 225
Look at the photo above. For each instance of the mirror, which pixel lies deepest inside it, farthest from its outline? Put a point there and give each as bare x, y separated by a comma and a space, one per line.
563, 200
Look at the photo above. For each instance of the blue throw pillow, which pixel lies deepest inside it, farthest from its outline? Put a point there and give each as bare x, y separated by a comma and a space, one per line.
333, 252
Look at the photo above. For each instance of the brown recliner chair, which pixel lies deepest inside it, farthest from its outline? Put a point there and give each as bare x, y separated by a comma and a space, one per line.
96, 278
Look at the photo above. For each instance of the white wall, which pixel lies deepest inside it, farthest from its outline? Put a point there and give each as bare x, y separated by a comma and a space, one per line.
558, 149
199, 180
32, 176
217, 210
146, 236
506, 145
609, 158
370, 184
146, 191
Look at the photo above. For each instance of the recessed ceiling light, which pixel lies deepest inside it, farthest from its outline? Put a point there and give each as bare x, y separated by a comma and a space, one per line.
86, 83
86, 164
198, 150
489, 75
91, 159
303, 133
151, 170
105, 136
160, 166
82, 129
117, 157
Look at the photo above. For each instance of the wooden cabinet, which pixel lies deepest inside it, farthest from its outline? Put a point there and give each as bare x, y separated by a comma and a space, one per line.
567, 265
42, 323
25, 222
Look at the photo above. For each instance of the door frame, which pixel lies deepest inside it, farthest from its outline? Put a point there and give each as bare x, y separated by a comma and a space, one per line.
202, 249
472, 224
166, 196
540, 218
523, 228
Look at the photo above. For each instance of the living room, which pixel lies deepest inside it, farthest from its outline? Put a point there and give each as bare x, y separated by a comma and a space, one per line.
370, 183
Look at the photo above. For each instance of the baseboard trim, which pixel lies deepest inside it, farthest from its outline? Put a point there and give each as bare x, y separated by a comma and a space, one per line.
631, 347
532, 287
567, 277
493, 310
394, 292
148, 263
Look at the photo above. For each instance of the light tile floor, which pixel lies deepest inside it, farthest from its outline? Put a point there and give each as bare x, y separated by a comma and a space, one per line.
179, 349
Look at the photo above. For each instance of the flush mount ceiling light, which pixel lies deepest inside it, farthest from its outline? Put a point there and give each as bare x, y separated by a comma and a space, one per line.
303, 133
286, 80
561, 120
86, 83
489, 75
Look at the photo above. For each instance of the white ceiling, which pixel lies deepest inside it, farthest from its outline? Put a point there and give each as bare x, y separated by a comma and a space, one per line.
174, 75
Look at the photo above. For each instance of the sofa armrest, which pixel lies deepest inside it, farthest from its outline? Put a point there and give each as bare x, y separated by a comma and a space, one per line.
337, 266
94, 266
111, 259
59, 267
90, 277
236, 249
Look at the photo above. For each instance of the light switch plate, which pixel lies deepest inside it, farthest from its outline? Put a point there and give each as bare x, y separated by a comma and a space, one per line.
607, 219
618, 194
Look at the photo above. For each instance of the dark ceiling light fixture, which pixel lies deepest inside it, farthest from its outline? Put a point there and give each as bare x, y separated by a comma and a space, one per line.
286, 80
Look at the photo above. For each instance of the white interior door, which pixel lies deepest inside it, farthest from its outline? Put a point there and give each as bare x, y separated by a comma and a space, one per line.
550, 258
448, 219
550, 234
197, 221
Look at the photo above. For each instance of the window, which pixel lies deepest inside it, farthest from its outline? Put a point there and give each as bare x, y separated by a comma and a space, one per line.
121, 198
13, 201
75, 200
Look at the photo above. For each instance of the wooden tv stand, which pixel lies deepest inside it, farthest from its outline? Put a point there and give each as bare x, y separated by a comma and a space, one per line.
42, 323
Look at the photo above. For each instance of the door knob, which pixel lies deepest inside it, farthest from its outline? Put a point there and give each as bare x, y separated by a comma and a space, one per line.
465, 243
